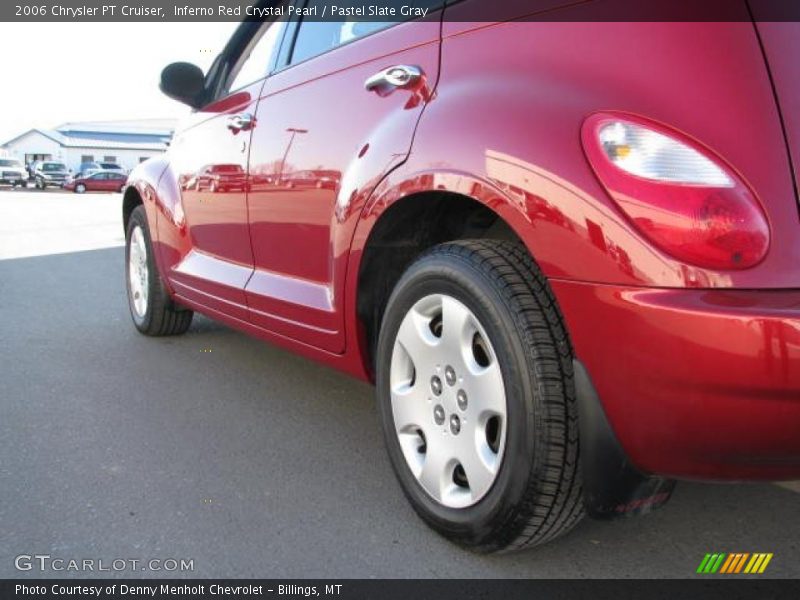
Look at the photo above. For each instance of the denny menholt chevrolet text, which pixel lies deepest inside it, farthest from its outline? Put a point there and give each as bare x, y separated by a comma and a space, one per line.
566, 253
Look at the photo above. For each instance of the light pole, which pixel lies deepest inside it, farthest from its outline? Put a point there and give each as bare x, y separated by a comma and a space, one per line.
294, 131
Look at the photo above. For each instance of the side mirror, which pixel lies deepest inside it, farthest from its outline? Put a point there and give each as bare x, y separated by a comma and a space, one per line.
183, 82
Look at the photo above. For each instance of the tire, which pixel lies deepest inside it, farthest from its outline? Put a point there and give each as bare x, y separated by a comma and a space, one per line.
519, 341
154, 313
80, 188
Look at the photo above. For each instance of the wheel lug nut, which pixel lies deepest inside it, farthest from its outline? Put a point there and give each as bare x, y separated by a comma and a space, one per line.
436, 385
455, 424
461, 399
450, 375
438, 414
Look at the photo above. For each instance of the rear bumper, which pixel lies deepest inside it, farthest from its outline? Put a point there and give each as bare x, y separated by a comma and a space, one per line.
700, 384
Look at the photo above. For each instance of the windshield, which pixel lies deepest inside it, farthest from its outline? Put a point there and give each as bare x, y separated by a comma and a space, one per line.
53, 167
10, 162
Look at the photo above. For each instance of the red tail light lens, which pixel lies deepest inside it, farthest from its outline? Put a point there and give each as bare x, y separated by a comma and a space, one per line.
677, 193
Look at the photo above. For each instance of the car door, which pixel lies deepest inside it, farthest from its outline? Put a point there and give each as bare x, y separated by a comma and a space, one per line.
95, 181
100, 182
323, 139
115, 181
220, 262
107, 182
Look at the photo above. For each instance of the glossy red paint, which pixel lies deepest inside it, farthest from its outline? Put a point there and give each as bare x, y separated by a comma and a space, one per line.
781, 42
696, 383
300, 231
215, 262
696, 367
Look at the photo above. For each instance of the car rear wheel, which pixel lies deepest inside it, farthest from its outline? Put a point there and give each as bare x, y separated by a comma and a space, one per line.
153, 311
80, 188
476, 397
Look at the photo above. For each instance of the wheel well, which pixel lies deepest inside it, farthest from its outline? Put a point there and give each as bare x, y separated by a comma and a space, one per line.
403, 232
130, 201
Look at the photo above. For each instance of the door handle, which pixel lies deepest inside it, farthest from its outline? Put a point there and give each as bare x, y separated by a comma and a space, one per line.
241, 122
394, 78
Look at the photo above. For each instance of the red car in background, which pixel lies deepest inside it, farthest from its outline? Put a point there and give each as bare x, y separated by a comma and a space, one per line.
101, 181
567, 253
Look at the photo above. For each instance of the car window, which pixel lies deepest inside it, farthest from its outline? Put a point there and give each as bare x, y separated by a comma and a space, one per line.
317, 37
257, 57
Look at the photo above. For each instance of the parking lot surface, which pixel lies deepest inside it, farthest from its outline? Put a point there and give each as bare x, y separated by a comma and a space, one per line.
34, 222
250, 461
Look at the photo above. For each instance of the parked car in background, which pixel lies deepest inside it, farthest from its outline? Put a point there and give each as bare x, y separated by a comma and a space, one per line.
13, 173
100, 181
49, 173
87, 168
566, 253
111, 166
318, 179
219, 178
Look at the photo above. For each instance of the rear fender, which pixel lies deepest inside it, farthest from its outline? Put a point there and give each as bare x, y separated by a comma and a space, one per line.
407, 180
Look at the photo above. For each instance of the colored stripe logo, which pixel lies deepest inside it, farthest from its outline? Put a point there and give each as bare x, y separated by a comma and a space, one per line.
735, 563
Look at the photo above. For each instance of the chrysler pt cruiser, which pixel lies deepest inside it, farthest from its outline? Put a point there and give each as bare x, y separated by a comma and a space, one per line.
566, 253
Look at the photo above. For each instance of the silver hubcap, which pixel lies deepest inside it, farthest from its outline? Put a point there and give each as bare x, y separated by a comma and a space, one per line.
448, 401
137, 272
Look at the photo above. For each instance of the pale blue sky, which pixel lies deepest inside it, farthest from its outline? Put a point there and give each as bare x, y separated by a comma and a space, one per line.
57, 72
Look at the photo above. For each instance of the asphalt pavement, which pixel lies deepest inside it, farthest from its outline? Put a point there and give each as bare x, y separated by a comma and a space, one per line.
251, 462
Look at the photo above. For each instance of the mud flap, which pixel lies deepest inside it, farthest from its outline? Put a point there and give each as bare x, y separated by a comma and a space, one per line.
612, 486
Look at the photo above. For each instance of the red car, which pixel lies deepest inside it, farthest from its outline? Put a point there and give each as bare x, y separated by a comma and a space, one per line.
101, 181
566, 253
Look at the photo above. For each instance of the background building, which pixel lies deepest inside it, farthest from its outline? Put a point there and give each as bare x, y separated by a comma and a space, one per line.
126, 143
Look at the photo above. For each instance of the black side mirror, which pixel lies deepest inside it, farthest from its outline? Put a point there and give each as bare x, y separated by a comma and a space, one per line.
183, 82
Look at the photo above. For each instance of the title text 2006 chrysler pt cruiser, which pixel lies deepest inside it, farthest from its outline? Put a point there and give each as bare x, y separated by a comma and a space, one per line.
567, 253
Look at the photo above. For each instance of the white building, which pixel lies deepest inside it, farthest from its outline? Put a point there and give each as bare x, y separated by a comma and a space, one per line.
126, 143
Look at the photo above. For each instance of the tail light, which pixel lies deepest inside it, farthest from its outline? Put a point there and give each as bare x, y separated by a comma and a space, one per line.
677, 193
